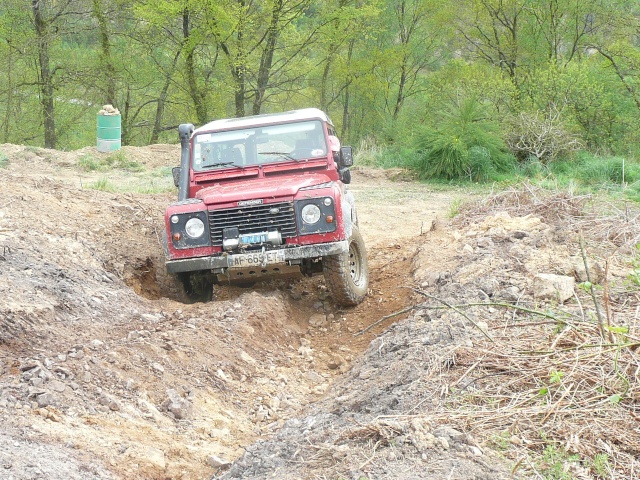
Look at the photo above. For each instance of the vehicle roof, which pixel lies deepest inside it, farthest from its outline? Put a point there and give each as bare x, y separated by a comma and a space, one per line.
264, 119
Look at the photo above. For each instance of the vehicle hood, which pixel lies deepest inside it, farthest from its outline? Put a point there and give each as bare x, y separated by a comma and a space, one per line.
260, 188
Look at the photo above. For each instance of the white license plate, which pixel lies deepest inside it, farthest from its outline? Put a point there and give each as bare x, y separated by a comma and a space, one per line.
257, 259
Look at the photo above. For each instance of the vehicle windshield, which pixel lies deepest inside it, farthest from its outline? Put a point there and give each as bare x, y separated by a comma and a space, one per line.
259, 145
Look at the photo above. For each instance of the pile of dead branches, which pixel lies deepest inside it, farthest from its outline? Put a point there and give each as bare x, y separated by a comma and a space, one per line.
617, 223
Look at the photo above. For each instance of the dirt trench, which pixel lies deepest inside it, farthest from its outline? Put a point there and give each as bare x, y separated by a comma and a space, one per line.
102, 368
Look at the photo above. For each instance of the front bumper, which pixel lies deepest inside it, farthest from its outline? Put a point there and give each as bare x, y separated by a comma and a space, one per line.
224, 260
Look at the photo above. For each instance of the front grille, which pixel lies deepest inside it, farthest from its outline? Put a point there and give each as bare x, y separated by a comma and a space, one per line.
254, 219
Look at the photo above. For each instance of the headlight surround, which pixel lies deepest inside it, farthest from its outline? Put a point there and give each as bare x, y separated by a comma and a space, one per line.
315, 216
310, 214
194, 228
191, 230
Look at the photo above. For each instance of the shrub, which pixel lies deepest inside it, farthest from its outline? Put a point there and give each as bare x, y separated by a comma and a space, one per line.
542, 136
4, 160
465, 143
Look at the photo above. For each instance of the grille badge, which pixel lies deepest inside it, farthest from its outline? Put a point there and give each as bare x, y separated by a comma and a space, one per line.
257, 201
274, 210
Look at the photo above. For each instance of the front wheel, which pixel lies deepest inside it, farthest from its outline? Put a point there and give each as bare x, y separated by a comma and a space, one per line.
197, 286
347, 274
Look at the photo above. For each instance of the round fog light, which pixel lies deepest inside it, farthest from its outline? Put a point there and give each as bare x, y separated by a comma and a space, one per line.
174, 219
327, 201
194, 227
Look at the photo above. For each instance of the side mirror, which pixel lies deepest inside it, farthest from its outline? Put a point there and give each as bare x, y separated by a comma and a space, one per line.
175, 171
346, 157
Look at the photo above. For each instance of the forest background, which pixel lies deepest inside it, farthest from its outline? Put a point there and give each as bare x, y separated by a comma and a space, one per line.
472, 89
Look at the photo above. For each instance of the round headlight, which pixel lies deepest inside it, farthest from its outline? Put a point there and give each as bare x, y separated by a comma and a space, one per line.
194, 227
310, 214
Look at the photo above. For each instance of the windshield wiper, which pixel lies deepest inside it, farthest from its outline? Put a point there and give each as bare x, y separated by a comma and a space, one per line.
282, 154
221, 164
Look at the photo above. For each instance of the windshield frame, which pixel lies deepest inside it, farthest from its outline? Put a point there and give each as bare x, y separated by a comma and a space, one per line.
296, 141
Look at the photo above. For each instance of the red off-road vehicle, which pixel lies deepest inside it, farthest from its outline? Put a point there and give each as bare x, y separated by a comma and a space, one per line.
262, 196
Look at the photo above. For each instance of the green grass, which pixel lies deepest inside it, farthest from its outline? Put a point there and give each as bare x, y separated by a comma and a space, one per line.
583, 173
103, 185
555, 463
4, 160
155, 181
103, 163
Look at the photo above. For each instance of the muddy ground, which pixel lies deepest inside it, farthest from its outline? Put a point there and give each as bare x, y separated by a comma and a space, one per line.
105, 374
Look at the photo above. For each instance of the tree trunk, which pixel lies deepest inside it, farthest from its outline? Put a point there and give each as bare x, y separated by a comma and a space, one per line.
401, 85
266, 61
157, 124
108, 70
44, 70
198, 97
345, 107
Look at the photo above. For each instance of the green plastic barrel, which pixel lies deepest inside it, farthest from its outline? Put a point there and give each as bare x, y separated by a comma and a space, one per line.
109, 132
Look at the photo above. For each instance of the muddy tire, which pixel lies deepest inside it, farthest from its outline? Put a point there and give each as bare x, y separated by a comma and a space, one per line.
197, 286
347, 275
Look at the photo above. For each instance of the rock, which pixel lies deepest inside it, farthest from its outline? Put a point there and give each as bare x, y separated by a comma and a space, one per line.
509, 294
484, 242
488, 285
247, 358
314, 377
56, 386
318, 320
45, 399
262, 414
475, 450
274, 403
151, 317
547, 286
155, 457
219, 433
29, 365
596, 272
216, 462
157, 367
180, 407
133, 335
335, 362
36, 382
96, 344
444, 443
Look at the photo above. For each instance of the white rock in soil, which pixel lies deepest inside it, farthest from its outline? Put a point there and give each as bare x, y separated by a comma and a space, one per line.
547, 286
155, 457
180, 407
318, 320
157, 367
314, 377
216, 462
45, 399
56, 386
